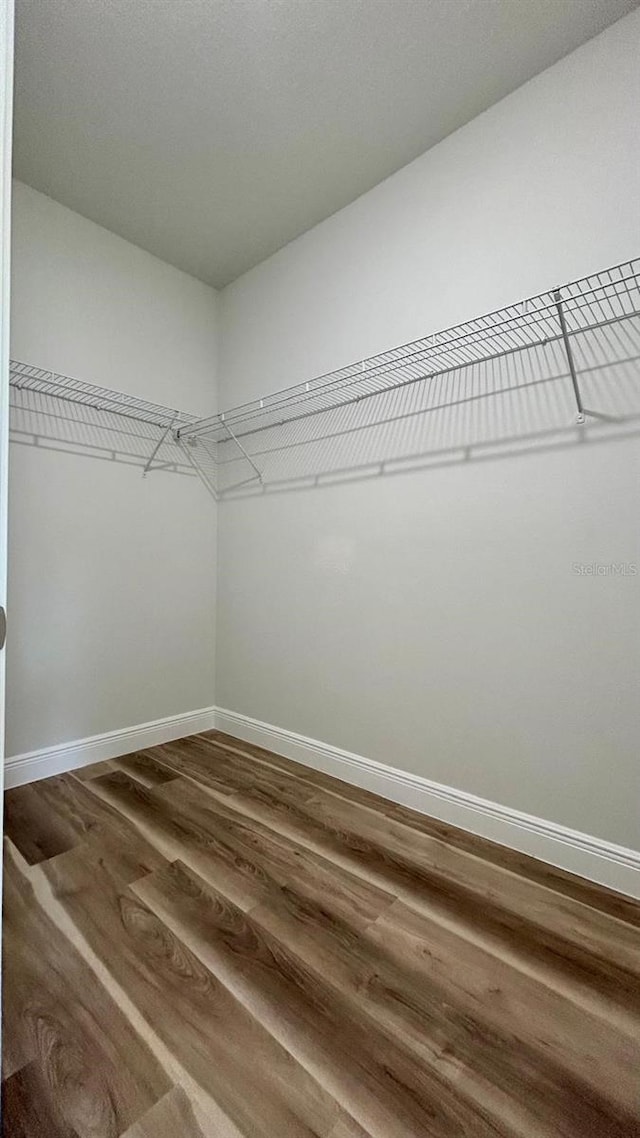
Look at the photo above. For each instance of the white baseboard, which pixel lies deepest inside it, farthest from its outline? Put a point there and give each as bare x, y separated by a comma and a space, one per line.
34, 765
604, 862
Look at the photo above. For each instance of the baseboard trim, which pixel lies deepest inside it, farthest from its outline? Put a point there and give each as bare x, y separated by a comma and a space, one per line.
603, 862
48, 761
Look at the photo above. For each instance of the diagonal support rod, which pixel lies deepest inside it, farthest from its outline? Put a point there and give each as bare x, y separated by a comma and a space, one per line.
207, 483
240, 447
159, 443
567, 347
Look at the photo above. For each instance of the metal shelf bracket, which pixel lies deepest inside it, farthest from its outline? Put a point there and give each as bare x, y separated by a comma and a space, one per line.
168, 430
581, 413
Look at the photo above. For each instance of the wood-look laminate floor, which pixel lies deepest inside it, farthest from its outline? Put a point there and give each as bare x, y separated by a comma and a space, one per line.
205, 939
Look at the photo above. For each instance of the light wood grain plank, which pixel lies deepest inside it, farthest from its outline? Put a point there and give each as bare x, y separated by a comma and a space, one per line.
257, 1083
485, 1056
377, 1081
142, 766
347, 1128
172, 1117
84, 774
99, 1076
583, 1045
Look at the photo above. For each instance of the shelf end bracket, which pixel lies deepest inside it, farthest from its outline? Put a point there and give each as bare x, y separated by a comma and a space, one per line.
581, 414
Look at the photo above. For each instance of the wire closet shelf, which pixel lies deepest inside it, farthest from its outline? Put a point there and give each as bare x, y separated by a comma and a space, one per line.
57, 411
554, 360
566, 340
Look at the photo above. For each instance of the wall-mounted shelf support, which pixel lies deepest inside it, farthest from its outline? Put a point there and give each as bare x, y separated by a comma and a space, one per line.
581, 413
167, 431
258, 473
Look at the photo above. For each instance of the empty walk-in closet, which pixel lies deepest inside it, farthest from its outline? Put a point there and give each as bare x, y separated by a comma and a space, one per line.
320, 569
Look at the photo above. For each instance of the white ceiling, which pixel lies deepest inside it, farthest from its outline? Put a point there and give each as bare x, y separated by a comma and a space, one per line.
211, 132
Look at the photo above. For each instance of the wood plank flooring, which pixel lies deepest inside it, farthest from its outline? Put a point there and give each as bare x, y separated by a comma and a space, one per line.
206, 940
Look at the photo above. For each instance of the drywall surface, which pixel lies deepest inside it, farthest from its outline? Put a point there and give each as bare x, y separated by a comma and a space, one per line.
437, 620
111, 579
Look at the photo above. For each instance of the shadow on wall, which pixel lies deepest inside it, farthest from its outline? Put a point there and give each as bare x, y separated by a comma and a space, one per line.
493, 408
486, 410
49, 422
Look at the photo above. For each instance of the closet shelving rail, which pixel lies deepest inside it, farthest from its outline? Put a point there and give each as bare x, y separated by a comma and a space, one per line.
46, 405
570, 336
26, 377
553, 360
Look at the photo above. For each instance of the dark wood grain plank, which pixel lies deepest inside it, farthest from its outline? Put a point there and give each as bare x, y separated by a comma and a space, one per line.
281, 863
28, 1110
101, 831
363, 849
34, 830
248, 861
226, 773
456, 1042
572, 924
487, 1055
17, 1050
175, 833
596, 896
63, 807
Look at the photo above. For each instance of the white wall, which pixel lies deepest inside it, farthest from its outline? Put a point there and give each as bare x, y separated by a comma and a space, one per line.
432, 620
111, 577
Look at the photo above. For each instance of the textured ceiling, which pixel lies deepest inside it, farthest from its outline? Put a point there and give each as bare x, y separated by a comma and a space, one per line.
211, 132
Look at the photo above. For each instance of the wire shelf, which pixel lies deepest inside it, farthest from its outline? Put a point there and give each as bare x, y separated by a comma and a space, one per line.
532, 361
58, 412
567, 356
26, 377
